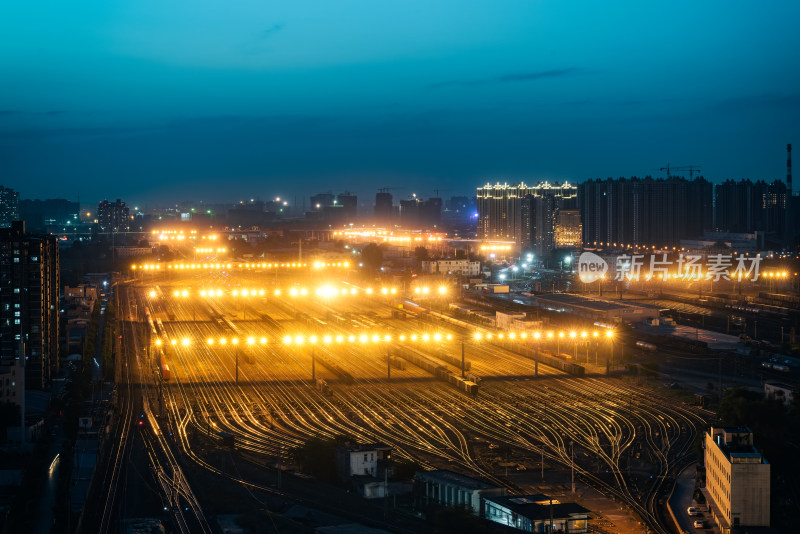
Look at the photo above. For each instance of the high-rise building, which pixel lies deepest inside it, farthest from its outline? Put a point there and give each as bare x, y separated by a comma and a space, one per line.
113, 216
500, 211
569, 230
645, 211
29, 291
383, 211
349, 203
524, 214
746, 207
737, 479
9, 206
418, 213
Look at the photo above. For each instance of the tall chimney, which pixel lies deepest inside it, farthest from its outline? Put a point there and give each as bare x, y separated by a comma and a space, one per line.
789, 225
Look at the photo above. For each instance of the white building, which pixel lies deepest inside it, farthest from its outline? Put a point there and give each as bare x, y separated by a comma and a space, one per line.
737, 479
452, 267
363, 460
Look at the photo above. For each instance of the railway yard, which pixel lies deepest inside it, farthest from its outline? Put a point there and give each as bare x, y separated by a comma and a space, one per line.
275, 356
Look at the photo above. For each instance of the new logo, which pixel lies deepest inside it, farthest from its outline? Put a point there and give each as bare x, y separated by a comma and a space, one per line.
591, 267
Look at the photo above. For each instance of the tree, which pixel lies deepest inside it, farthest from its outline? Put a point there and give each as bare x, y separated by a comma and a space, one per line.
421, 253
372, 257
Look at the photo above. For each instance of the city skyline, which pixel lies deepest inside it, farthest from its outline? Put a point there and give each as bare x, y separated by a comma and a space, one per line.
147, 102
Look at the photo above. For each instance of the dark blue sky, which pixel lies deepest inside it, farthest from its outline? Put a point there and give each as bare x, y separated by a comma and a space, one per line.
200, 99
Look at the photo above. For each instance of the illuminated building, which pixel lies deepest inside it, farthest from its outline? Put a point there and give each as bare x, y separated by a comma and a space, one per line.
500, 211
569, 230
29, 291
460, 267
524, 214
537, 513
737, 479
113, 216
9, 206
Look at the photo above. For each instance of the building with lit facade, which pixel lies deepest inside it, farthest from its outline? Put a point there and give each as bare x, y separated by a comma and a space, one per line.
537, 513
737, 480
644, 211
9, 206
452, 267
113, 217
526, 215
29, 292
569, 229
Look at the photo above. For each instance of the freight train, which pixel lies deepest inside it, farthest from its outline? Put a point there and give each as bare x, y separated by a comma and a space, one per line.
439, 371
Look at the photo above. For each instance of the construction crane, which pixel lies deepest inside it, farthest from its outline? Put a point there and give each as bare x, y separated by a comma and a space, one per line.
386, 189
691, 168
437, 191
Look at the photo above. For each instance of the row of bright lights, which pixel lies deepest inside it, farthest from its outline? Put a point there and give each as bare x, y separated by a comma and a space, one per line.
323, 291
690, 277
211, 250
573, 334
386, 338
193, 266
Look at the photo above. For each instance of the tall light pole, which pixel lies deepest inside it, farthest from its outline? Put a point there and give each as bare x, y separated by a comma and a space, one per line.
235, 342
572, 462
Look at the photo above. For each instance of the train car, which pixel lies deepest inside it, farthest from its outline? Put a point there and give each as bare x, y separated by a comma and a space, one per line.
574, 369
470, 387
323, 387
455, 360
472, 377
644, 345
335, 368
397, 363
165, 372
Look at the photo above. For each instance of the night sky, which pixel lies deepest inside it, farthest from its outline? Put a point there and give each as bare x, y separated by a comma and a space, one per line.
166, 101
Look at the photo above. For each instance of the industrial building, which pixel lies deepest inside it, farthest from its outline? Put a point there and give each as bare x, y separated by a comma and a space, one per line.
596, 309
448, 488
537, 513
455, 267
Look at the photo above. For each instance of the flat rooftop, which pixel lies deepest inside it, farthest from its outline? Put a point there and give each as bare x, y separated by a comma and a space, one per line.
538, 506
596, 304
456, 479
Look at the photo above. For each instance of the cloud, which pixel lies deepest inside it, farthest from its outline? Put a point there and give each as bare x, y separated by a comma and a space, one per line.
508, 78
255, 44
10, 112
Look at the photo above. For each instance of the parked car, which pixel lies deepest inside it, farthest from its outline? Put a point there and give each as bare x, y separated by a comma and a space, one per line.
699, 524
692, 511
